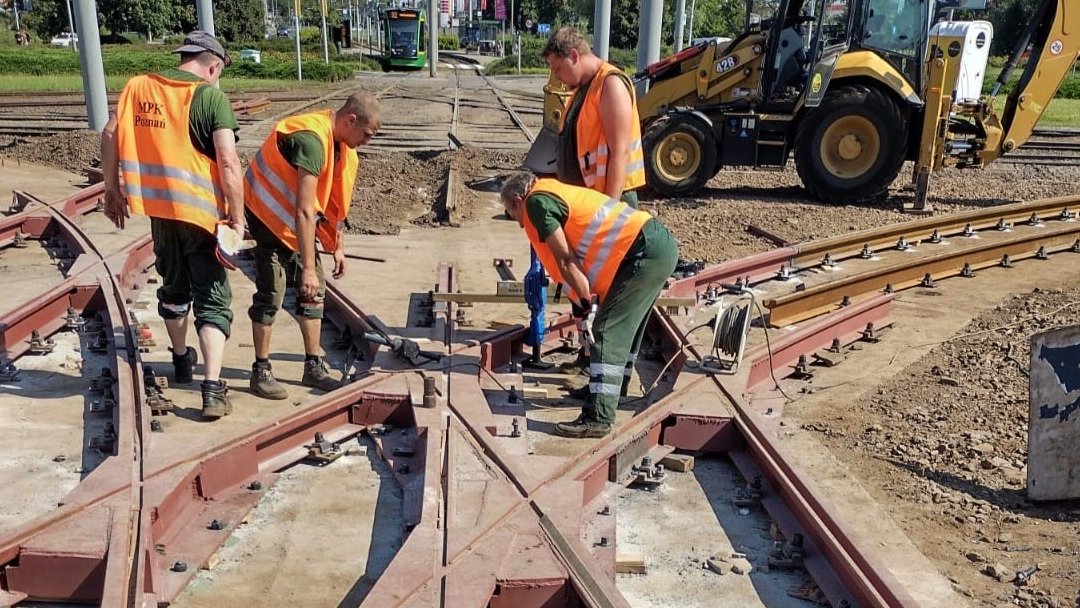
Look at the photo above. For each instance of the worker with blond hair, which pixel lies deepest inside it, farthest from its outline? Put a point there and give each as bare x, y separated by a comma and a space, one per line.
599, 143
614, 259
299, 189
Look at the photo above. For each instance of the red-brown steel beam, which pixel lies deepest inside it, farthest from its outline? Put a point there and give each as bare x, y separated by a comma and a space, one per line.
846, 324
751, 269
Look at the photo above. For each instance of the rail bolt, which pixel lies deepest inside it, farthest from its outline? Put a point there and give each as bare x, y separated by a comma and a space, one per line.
966, 271
866, 253
179, 566
968, 230
1041, 253
517, 428
217, 524
255, 486
935, 238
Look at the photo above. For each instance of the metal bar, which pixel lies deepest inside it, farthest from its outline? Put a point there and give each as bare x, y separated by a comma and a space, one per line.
753, 269
845, 324
849, 245
802, 305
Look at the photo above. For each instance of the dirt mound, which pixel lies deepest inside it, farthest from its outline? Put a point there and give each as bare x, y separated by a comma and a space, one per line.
395, 190
72, 151
954, 427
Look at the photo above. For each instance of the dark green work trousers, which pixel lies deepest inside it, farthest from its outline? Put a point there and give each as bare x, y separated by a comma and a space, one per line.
620, 322
190, 273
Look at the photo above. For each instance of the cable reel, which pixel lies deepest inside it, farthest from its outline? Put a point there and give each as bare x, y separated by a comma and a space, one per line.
730, 326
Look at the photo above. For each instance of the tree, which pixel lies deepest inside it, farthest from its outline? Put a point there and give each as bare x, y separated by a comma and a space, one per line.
48, 18
239, 20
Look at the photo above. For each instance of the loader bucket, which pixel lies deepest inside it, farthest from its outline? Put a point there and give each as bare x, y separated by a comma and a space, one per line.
541, 156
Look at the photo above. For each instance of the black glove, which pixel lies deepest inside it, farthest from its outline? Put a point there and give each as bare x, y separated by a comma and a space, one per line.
580, 308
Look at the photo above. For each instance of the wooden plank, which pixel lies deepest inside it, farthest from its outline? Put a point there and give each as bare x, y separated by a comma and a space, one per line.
678, 462
631, 563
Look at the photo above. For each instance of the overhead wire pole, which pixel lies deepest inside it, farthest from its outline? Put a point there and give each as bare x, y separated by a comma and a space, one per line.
296, 33
71, 26
680, 19
325, 45
93, 71
601, 28
652, 16
433, 37
205, 9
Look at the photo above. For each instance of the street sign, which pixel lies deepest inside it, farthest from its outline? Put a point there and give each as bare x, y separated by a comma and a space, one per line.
543, 28
528, 23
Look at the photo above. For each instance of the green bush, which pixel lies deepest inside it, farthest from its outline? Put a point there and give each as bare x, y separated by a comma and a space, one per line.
449, 42
624, 58
131, 60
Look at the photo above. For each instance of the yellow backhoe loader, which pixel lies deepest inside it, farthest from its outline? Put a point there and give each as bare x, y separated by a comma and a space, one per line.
850, 88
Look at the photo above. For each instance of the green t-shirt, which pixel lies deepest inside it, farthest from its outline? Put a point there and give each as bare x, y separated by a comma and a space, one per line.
303, 150
210, 111
547, 213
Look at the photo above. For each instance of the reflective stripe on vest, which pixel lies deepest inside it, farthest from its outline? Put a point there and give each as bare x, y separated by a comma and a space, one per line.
599, 231
164, 175
272, 182
592, 148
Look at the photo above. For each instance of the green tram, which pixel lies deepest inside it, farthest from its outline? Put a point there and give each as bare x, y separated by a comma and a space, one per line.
405, 43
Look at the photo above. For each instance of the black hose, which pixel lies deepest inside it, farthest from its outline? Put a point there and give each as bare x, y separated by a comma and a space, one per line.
1021, 45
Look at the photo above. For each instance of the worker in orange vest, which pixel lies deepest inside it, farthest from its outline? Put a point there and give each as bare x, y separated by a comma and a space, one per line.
173, 139
614, 259
299, 188
600, 133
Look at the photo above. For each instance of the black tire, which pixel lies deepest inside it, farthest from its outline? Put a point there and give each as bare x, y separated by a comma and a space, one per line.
680, 155
851, 147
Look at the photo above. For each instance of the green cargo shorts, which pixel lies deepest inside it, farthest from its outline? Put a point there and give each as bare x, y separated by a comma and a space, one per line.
277, 269
190, 273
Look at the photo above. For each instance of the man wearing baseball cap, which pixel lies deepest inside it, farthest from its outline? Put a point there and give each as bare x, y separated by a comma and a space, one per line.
173, 139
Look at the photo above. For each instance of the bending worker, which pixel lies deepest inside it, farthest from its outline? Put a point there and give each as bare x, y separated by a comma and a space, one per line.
173, 139
600, 137
299, 188
606, 253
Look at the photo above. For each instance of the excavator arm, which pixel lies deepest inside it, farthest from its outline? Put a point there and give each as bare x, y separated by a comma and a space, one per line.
973, 133
1054, 35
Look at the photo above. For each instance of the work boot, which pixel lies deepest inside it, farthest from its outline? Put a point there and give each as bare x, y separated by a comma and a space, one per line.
264, 384
579, 392
215, 399
583, 426
183, 366
577, 366
317, 376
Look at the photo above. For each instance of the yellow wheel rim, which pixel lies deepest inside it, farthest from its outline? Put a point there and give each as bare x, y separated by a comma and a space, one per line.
850, 146
678, 157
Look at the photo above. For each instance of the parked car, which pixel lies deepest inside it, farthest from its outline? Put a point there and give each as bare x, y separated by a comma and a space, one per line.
251, 55
65, 39
284, 32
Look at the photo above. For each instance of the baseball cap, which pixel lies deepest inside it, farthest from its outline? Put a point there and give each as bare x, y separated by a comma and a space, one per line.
199, 41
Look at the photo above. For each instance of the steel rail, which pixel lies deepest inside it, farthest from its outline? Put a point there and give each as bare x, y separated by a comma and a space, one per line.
885, 237
802, 305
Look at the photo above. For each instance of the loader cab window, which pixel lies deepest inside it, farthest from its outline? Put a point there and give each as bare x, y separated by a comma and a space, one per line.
895, 26
834, 22
897, 29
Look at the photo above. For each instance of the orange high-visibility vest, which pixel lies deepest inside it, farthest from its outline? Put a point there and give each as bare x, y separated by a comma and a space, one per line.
272, 183
599, 230
592, 148
165, 176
